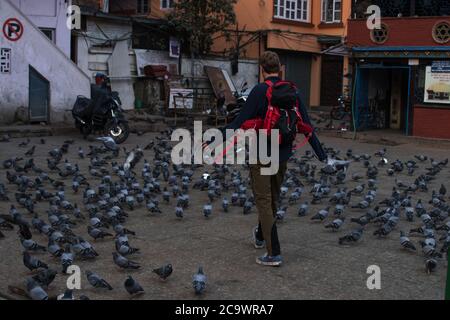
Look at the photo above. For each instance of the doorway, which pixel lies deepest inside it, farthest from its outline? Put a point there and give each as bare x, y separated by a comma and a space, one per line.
39, 96
382, 98
331, 80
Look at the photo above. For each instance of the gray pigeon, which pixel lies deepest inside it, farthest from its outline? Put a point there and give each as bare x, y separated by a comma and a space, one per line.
133, 287
32, 263
207, 209
321, 215
96, 281
405, 242
123, 262
336, 224
430, 265
199, 281
353, 236
45, 277
35, 291
66, 258
31, 245
302, 211
164, 272
109, 143
97, 233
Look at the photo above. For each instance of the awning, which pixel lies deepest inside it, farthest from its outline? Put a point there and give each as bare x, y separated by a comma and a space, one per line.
338, 50
411, 52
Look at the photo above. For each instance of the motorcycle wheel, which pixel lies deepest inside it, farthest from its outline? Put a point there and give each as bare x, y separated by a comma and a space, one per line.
337, 113
119, 132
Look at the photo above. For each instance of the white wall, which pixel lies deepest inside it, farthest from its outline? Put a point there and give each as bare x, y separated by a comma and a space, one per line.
35, 49
49, 14
248, 69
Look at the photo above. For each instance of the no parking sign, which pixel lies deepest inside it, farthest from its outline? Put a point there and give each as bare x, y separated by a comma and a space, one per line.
13, 29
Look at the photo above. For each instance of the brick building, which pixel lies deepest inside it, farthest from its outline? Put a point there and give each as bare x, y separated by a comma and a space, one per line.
402, 69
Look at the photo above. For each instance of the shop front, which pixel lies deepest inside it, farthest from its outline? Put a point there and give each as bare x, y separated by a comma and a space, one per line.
406, 89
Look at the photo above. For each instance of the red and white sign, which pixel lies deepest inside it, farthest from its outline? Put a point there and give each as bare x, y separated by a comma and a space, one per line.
13, 29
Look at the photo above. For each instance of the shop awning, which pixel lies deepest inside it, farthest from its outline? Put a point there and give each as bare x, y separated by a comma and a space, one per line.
338, 50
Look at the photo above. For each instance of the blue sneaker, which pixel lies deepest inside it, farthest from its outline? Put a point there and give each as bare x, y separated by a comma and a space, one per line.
272, 261
259, 244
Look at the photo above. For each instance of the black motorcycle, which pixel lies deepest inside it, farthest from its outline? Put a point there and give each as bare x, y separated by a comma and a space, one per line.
103, 113
232, 110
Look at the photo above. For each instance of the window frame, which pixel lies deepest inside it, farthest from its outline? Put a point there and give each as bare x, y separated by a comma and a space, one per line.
323, 15
142, 4
51, 31
295, 10
169, 4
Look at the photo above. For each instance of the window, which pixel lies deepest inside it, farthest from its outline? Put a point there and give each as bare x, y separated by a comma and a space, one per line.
50, 33
296, 10
331, 11
142, 7
166, 4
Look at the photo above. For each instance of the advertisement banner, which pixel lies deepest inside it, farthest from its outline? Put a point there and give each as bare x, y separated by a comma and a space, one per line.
437, 83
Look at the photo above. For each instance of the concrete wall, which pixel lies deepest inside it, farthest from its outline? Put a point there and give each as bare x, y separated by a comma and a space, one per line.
248, 69
93, 48
35, 49
49, 14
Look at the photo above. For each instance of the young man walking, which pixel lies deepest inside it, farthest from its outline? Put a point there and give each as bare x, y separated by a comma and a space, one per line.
266, 188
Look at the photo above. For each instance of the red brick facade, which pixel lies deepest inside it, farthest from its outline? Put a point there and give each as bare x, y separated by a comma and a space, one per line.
431, 122
402, 32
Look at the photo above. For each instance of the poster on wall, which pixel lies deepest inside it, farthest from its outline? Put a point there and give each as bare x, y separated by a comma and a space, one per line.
437, 83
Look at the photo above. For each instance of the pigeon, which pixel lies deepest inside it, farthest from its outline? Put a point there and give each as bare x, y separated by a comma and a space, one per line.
97, 233
125, 249
405, 242
123, 262
67, 295
353, 236
303, 210
30, 152
35, 291
5, 225
96, 281
133, 287
54, 249
248, 205
199, 281
32, 263
164, 272
31, 245
109, 143
207, 209
45, 277
66, 258
321, 215
179, 212
336, 224
430, 265
225, 204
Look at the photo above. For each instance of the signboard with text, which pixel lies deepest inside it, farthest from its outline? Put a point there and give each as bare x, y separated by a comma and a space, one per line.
437, 83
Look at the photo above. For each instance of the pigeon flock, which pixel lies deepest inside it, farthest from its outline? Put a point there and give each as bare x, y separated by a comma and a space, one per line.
112, 190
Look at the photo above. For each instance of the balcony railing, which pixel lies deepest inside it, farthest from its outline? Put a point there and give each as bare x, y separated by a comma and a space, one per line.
402, 8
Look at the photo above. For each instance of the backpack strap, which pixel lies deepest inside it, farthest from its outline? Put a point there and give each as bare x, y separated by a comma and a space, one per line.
269, 91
